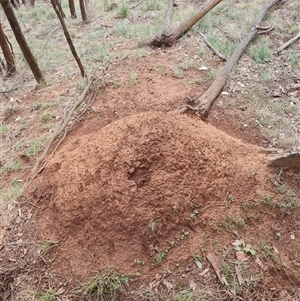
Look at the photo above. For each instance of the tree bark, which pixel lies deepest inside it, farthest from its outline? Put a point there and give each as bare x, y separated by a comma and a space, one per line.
22, 41
207, 99
10, 62
72, 9
83, 10
169, 39
58, 2
68, 37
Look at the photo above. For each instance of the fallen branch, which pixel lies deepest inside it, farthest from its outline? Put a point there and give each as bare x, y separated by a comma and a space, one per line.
215, 51
169, 39
207, 99
287, 44
59, 130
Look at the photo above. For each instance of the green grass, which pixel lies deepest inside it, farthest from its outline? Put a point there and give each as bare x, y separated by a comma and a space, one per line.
47, 117
293, 57
133, 78
11, 192
47, 296
261, 52
123, 10
289, 200
3, 129
133, 30
47, 245
106, 285
152, 5
184, 295
31, 147
11, 166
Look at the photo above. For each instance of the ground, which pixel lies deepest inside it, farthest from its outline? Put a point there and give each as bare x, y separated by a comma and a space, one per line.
172, 206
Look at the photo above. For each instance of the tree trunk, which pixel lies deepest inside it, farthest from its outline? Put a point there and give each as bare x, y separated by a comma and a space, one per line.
207, 99
32, 2
60, 9
83, 11
67, 35
10, 62
72, 9
169, 39
22, 41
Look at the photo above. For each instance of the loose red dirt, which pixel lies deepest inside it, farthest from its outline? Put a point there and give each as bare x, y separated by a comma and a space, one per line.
100, 193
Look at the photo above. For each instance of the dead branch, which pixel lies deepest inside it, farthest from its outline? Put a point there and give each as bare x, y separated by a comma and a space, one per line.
287, 44
169, 39
266, 30
59, 130
207, 99
215, 51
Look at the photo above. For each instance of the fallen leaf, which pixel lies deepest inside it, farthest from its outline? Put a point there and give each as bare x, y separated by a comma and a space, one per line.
60, 291
275, 249
240, 256
198, 264
258, 261
193, 285
292, 235
204, 272
213, 259
168, 285
239, 275
238, 243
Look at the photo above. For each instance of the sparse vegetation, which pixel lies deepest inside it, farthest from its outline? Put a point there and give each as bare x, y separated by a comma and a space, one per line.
3, 129
261, 52
47, 245
11, 166
106, 285
123, 10
47, 296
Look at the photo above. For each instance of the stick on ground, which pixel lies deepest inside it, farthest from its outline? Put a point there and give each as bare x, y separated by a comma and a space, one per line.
60, 128
215, 51
287, 44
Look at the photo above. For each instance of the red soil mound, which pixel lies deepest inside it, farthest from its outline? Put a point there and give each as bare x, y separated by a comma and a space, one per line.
142, 188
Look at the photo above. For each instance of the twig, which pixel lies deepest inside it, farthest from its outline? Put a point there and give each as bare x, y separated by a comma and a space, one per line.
137, 4
265, 30
220, 55
287, 44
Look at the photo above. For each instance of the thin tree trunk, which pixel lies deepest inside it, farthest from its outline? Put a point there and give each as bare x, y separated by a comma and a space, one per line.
169, 39
83, 10
72, 9
60, 9
10, 62
68, 37
32, 2
207, 99
22, 41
